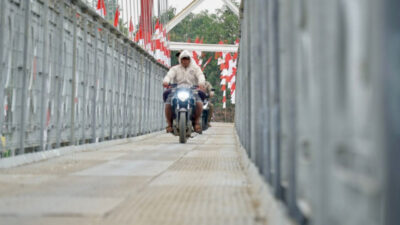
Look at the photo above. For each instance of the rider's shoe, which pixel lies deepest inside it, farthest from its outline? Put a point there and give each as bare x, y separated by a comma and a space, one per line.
169, 129
197, 128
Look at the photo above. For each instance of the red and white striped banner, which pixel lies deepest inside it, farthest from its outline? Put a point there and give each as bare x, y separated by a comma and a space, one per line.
101, 8
228, 67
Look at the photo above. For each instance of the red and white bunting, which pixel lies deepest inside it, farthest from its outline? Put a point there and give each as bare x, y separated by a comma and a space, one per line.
205, 64
233, 75
197, 55
157, 41
228, 67
160, 48
224, 75
116, 17
131, 29
101, 8
139, 37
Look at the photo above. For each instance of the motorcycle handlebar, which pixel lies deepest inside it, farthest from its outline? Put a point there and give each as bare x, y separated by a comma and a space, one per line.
176, 85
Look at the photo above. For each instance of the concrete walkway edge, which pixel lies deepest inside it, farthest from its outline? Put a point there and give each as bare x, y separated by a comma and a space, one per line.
28, 158
268, 207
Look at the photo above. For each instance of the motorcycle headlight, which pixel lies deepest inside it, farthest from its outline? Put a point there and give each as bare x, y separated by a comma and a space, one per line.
183, 95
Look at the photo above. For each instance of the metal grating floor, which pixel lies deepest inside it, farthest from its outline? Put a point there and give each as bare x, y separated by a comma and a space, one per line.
148, 182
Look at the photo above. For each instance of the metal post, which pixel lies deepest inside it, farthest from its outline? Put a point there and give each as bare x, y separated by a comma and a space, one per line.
3, 5
94, 88
140, 94
391, 107
277, 108
148, 94
253, 87
119, 88
60, 75
86, 81
45, 74
125, 110
25, 77
290, 116
137, 96
103, 115
132, 94
73, 97
112, 92
248, 87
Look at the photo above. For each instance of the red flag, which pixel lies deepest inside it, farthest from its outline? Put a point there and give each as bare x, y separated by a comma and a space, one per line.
116, 18
139, 35
101, 8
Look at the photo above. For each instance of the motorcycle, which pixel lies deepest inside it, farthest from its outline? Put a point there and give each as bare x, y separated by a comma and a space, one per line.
183, 110
204, 115
206, 112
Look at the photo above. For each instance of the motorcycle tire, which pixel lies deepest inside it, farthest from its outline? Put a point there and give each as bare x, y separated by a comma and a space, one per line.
182, 127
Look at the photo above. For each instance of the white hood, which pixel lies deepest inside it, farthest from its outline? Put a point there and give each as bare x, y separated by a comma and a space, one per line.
183, 54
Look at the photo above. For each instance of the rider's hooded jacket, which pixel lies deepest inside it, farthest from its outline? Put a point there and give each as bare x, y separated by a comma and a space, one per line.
192, 75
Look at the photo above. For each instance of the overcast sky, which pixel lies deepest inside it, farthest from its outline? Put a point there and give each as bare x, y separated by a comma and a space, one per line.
211, 5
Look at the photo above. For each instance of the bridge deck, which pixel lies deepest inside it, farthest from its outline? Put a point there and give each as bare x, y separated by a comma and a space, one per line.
150, 181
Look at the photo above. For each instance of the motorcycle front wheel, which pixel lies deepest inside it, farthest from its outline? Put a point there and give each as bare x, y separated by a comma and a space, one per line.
182, 127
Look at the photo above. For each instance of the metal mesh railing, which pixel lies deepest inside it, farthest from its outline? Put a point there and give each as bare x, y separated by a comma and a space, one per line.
68, 77
315, 106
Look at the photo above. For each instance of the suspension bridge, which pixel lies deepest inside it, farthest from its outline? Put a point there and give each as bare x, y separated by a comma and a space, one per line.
316, 132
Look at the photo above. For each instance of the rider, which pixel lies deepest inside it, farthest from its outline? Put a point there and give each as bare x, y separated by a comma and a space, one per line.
210, 92
186, 73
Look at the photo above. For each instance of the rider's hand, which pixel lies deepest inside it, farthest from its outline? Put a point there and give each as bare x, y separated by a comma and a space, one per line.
201, 88
165, 84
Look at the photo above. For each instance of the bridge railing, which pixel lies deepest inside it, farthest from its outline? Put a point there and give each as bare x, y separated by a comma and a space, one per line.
69, 77
316, 109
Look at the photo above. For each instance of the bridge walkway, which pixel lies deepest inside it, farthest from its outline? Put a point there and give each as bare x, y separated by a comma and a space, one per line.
150, 180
